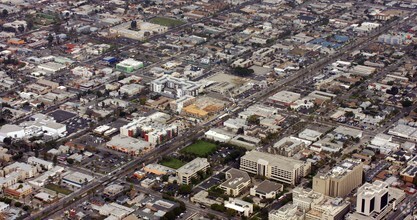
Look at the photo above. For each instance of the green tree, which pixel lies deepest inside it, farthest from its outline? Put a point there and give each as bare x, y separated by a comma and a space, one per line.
184, 189
241, 71
5, 12
253, 120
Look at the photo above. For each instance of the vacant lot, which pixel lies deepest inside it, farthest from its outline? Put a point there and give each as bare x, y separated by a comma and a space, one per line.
169, 22
200, 148
172, 163
58, 189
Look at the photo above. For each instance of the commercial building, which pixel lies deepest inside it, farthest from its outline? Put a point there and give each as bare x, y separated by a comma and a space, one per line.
113, 190
284, 98
12, 131
236, 182
287, 212
144, 30
275, 167
375, 201
340, 180
175, 87
77, 179
372, 198
114, 211
218, 135
42, 179
158, 169
128, 145
266, 190
189, 170
409, 173
129, 65
242, 207
318, 206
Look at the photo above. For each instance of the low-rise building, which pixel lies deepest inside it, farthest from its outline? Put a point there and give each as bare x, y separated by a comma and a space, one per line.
236, 182
266, 190
242, 207
128, 145
77, 179
158, 169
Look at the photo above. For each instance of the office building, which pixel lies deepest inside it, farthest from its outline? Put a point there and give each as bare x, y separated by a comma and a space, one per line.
372, 198
287, 212
189, 170
340, 180
283, 169
267, 190
317, 206
236, 182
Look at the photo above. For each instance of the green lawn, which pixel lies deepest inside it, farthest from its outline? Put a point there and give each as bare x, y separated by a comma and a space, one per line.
169, 22
200, 148
172, 163
58, 189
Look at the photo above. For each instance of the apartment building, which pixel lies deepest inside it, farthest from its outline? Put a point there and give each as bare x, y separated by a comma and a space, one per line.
175, 87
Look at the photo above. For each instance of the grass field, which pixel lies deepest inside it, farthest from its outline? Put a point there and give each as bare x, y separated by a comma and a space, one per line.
200, 148
169, 22
58, 189
172, 163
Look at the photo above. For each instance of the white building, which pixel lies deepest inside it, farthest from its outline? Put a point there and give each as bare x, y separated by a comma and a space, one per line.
39, 162
242, 207
372, 198
275, 167
12, 131
189, 170
175, 87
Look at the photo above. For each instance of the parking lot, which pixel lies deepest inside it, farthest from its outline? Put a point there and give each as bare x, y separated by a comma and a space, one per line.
61, 115
76, 123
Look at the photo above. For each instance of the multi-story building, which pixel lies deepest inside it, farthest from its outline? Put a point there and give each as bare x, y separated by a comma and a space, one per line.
340, 180
152, 129
39, 162
286, 212
189, 170
275, 167
317, 206
372, 198
18, 190
236, 182
375, 201
175, 87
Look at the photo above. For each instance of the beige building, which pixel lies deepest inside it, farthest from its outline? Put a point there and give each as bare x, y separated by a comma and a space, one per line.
236, 182
275, 167
340, 180
189, 170
317, 206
